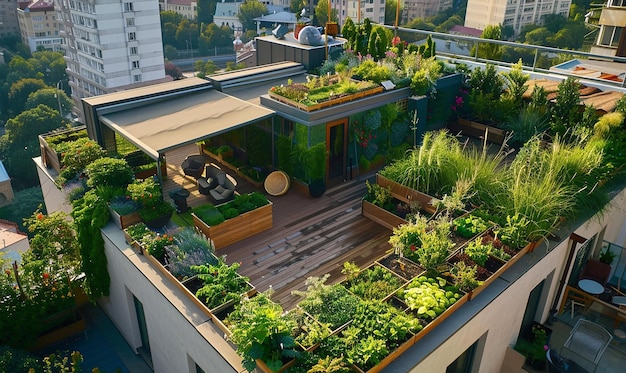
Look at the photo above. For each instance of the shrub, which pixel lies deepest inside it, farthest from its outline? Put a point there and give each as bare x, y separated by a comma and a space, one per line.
109, 171
209, 214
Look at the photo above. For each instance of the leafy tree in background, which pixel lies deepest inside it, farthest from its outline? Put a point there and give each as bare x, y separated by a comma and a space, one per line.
52, 64
216, 36
321, 13
170, 52
206, 10
20, 90
169, 24
296, 6
187, 31
250, 10
50, 97
20, 144
488, 50
390, 12
25, 203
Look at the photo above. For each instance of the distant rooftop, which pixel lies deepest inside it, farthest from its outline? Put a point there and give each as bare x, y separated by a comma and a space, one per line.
4, 175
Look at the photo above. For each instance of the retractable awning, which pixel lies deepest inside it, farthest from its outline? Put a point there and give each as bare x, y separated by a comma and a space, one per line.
165, 125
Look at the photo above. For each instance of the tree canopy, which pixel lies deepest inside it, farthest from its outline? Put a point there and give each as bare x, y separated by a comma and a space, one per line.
250, 10
50, 97
321, 13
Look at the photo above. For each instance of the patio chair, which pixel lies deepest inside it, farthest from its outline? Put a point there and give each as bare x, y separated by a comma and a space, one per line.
596, 270
193, 165
587, 341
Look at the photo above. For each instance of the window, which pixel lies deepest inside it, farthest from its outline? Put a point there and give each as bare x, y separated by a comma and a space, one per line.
128, 7
463, 364
130, 22
133, 50
132, 36
135, 64
137, 78
144, 350
610, 36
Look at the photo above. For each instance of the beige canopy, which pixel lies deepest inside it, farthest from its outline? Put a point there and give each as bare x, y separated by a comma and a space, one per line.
168, 124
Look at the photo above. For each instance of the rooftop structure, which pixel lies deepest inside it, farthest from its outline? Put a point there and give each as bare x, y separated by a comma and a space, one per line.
187, 8
610, 41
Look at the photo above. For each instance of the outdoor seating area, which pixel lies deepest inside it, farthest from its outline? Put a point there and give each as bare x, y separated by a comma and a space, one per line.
216, 184
586, 343
193, 165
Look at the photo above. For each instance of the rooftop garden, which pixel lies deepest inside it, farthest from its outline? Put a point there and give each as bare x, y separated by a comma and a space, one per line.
486, 206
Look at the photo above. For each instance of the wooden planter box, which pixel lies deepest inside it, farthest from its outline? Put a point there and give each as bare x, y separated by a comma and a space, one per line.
49, 157
123, 221
63, 325
380, 215
238, 228
328, 103
406, 194
476, 129
502, 269
151, 172
262, 367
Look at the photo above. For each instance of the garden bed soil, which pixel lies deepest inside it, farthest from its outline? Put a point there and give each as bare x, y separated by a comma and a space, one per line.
493, 264
401, 266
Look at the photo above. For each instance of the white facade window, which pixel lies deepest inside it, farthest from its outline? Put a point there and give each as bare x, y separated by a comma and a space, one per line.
133, 50
128, 7
137, 78
135, 64
130, 22
610, 36
132, 36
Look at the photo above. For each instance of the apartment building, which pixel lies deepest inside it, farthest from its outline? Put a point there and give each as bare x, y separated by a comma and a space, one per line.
611, 41
423, 8
110, 46
515, 13
187, 8
8, 18
226, 14
39, 25
358, 10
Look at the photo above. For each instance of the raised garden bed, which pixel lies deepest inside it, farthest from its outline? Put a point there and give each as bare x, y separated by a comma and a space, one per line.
475, 129
49, 156
327, 103
238, 228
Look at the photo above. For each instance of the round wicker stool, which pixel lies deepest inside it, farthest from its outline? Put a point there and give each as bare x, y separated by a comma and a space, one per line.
277, 183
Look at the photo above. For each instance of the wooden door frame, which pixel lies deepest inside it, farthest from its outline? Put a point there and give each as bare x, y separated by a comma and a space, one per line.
345, 121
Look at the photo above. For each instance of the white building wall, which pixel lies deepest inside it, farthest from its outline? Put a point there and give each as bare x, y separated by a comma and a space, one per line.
53, 197
179, 332
516, 13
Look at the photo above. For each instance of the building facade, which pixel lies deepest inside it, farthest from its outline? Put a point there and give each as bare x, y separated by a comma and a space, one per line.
611, 41
358, 10
514, 13
39, 25
8, 18
226, 15
110, 46
186, 8
423, 8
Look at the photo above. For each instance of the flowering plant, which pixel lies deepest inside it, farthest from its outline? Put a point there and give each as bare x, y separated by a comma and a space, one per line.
146, 192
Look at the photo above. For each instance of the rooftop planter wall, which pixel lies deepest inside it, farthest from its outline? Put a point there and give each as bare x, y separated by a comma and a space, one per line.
476, 129
49, 156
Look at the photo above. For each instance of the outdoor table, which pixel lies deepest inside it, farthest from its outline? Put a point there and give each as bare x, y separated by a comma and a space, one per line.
591, 287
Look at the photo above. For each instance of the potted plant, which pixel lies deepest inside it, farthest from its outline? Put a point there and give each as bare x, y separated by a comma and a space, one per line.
313, 162
607, 256
124, 211
534, 347
222, 283
154, 211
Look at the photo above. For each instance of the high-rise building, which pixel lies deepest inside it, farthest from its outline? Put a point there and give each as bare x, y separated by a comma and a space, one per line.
186, 8
412, 9
39, 25
358, 10
611, 40
515, 13
120, 48
8, 18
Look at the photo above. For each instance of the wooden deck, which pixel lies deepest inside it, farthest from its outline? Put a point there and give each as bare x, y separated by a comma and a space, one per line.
310, 236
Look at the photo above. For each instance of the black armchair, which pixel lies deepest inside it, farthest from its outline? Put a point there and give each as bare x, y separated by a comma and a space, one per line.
193, 165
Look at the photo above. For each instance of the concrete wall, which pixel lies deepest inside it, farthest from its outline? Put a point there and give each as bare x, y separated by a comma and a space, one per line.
53, 197
179, 333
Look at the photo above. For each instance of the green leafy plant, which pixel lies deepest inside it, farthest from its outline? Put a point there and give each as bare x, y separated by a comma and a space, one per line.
261, 330
222, 283
377, 195
470, 225
374, 282
329, 304
478, 251
138, 231
465, 276
425, 242
607, 256
124, 205
429, 297
155, 244
108, 171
